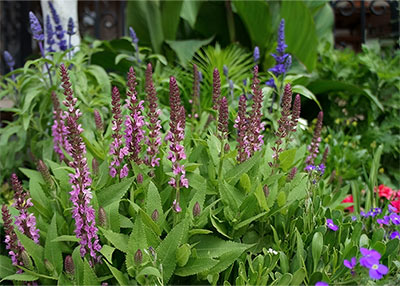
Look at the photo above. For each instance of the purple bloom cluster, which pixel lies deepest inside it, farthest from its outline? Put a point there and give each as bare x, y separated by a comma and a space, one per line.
241, 125
59, 130
82, 212
256, 54
370, 259
116, 148
153, 139
62, 43
25, 222
371, 213
36, 27
320, 169
216, 89
49, 35
283, 60
12, 243
223, 117
134, 122
255, 125
331, 225
313, 148
175, 136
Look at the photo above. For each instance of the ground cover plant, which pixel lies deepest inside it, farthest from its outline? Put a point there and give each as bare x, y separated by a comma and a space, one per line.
162, 176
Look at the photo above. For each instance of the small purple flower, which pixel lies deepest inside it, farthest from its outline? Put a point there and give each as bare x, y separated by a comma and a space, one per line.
270, 83
256, 54
353, 218
395, 218
321, 283
37, 31
395, 234
70, 27
370, 257
391, 208
133, 36
175, 205
225, 70
309, 168
363, 214
350, 264
331, 225
376, 271
385, 220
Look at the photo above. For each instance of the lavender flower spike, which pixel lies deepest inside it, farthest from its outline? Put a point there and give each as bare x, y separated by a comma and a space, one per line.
175, 136
153, 139
49, 35
134, 122
10, 62
256, 54
70, 33
223, 117
82, 212
59, 130
135, 41
25, 221
216, 88
62, 43
116, 148
37, 31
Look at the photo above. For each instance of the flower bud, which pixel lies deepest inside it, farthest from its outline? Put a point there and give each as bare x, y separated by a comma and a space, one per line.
49, 266
139, 178
95, 167
138, 256
155, 215
44, 171
227, 148
266, 191
292, 174
26, 260
102, 217
98, 121
196, 209
69, 265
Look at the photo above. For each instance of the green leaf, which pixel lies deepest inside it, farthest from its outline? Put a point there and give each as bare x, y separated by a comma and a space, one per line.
121, 57
196, 266
185, 49
78, 263
119, 240
307, 93
262, 201
249, 220
20, 277
6, 267
122, 280
226, 260
150, 271
166, 251
214, 147
212, 246
298, 277
71, 238
89, 277
170, 18
256, 17
316, 248
153, 201
101, 77
219, 226
234, 174
114, 192
190, 10
52, 249
149, 222
300, 191
301, 39
284, 280
107, 252
183, 254
35, 250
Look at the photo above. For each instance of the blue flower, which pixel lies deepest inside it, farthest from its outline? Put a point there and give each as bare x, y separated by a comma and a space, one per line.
256, 54
370, 257
49, 35
9, 59
132, 33
62, 43
70, 28
37, 31
331, 225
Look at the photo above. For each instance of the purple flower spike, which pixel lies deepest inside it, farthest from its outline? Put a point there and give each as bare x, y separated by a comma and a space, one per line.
376, 271
133, 36
134, 122
370, 257
49, 35
59, 130
313, 148
37, 31
223, 117
321, 283
331, 225
71, 26
11, 241
81, 195
153, 139
216, 88
62, 43
241, 125
9, 60
256, 54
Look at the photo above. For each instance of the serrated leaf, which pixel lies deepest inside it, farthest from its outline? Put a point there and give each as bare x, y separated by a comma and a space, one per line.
20, 277
166, 251
78, 263
249, 220
119, 240
153, 201
196, 266
36, 251
211, 246
89, 277
149, 271
71, 238
107, 252
6, 267
226, 260
52, 249
114, 192
234, 174
122, 280
286, 159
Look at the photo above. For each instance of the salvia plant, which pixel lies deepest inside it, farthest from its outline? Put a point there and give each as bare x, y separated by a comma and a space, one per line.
128, 189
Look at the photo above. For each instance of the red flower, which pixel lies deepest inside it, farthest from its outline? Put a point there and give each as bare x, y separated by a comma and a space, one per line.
349, 199
396, 204
385, 191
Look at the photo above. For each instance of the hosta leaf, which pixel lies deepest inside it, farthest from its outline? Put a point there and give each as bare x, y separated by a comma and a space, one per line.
114, 192
166, 251
52, 249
